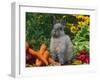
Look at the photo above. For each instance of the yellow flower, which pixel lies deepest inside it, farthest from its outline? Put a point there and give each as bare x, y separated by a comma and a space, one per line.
73, 29
81, 24
77, 62
87, 21
85, 17
79, 16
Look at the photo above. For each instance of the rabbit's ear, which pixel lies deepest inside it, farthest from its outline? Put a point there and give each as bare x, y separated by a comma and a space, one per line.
63, 21
54, 19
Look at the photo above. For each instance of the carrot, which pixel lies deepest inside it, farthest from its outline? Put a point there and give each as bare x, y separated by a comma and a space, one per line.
42, 49
51, 61
45, 55
35, 54
41, 52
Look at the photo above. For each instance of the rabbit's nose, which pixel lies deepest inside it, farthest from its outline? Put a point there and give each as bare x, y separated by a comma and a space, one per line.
55, 31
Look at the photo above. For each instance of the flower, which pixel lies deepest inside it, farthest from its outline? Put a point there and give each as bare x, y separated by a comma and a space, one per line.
83, 20
79, 16
77, 62
81, 57
87, 60
73, 29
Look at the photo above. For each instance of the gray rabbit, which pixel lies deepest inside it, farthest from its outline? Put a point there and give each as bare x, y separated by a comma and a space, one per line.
61, 47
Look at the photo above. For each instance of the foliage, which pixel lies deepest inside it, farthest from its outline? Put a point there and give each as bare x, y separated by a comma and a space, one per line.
81, 40
38, 29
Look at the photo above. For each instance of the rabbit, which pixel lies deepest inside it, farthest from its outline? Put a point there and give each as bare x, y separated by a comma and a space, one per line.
61, 47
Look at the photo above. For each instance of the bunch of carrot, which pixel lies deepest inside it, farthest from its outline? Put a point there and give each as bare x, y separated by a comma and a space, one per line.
42, 56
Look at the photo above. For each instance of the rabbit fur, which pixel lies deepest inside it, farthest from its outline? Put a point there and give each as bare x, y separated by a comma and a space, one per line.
61, 47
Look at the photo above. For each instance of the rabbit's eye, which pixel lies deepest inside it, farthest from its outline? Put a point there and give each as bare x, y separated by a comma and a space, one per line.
60, 28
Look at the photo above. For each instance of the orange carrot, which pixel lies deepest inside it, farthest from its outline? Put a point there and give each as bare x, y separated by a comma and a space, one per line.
35, 54
41, 52
46, 54
42, 49
39, 62
42, 57
51, 61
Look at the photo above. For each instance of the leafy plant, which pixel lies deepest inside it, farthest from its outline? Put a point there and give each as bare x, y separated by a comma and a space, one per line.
81, 40
38, 29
